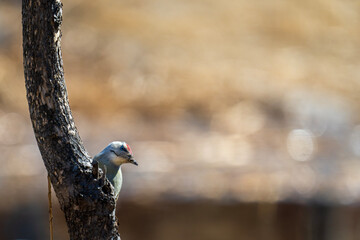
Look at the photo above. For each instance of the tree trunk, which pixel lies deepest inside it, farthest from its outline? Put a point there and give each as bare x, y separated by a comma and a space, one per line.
85, 198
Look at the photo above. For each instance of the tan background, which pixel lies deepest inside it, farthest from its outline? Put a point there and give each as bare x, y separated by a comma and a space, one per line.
223, 102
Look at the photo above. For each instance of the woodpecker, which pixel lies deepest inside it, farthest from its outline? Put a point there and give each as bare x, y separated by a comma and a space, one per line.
110, 160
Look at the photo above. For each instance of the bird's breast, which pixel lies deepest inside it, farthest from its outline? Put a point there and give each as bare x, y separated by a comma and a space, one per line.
117, 182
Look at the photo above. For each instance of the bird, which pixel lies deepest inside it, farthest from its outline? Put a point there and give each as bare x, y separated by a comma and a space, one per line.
110, 160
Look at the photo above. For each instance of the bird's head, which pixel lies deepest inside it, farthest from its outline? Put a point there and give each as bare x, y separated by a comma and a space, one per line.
120, 152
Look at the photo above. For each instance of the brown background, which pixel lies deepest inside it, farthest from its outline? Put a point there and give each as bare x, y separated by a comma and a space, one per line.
243, 116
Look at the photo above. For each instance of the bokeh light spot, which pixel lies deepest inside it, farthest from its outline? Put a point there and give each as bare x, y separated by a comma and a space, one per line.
300, 144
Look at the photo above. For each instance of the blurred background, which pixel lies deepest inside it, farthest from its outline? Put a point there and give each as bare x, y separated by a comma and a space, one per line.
243, 116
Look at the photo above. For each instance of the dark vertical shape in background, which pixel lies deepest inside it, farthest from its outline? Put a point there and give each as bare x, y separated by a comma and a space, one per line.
319, 213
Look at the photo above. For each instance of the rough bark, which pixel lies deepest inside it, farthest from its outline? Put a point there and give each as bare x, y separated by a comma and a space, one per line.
86, 199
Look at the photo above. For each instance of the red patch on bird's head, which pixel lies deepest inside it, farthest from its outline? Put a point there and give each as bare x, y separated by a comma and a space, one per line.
128, 148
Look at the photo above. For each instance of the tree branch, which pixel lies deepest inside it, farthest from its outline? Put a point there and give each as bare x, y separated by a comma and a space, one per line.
86, 200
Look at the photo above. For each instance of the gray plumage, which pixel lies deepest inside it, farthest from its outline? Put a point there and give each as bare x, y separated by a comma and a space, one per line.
110, 160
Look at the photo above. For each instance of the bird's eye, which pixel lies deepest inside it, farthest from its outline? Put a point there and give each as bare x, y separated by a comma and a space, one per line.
123, 148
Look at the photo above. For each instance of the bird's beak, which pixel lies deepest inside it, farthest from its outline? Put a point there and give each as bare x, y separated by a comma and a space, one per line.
132, 160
